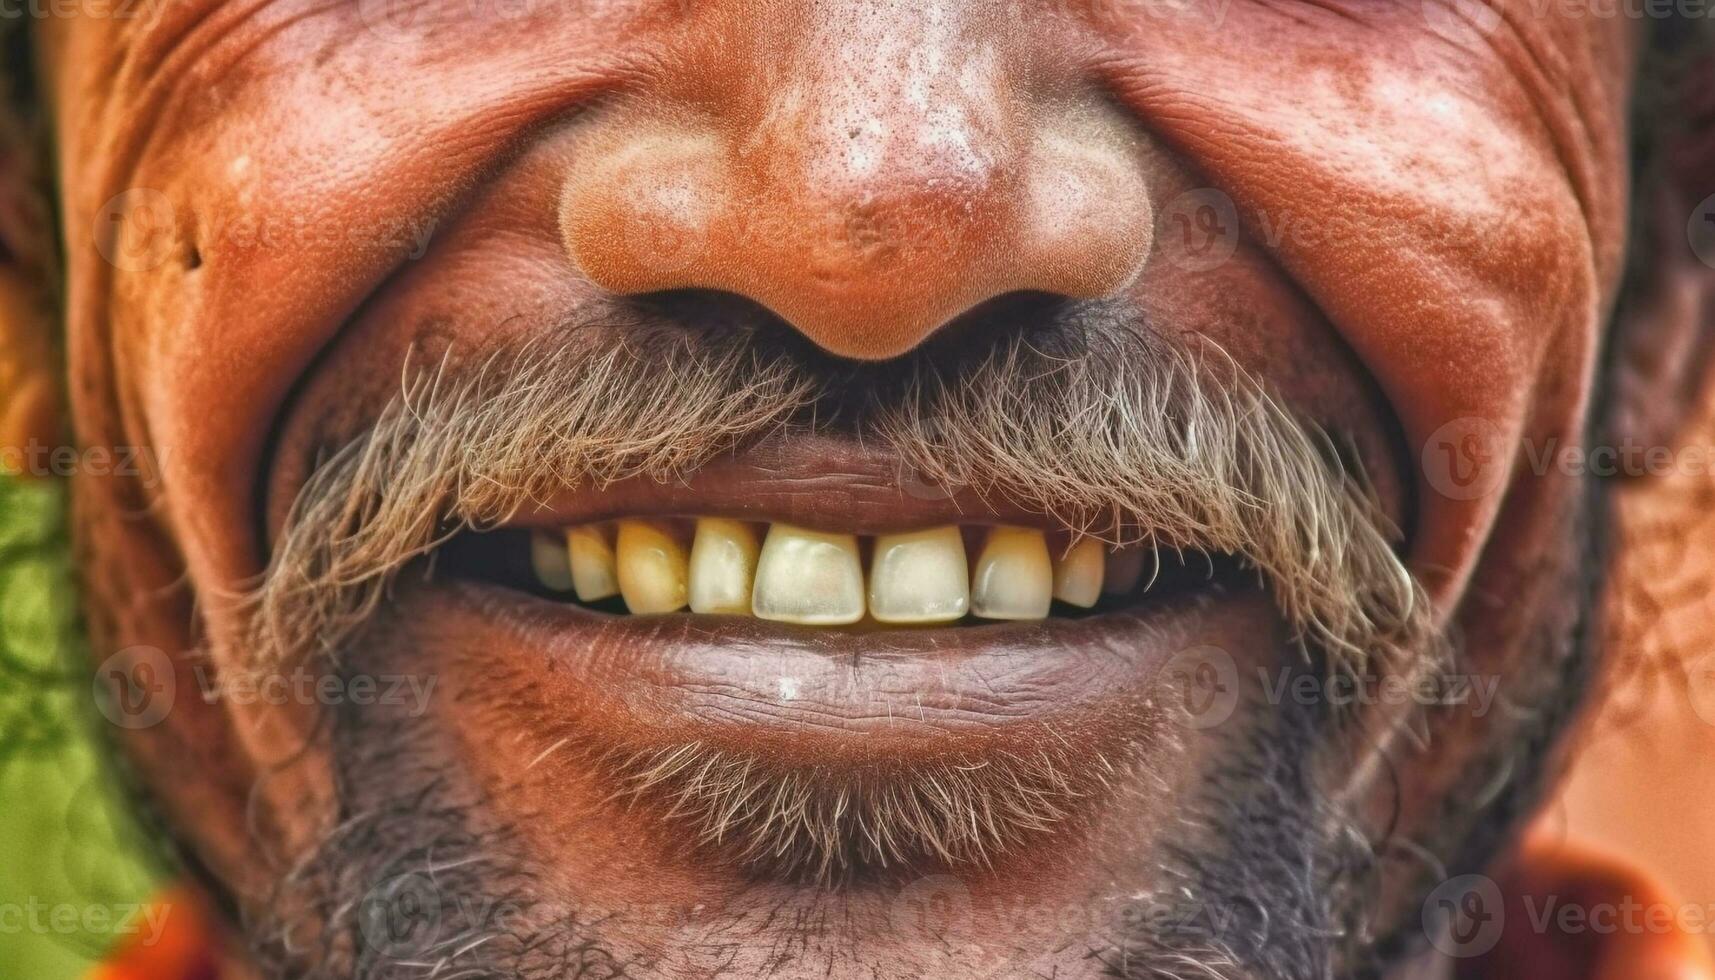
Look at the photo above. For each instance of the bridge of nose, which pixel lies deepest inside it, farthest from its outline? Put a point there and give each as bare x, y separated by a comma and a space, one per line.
867, 171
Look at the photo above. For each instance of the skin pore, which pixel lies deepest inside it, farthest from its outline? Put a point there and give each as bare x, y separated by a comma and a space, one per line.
357, 214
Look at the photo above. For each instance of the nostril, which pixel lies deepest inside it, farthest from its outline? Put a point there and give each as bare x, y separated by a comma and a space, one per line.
727, 317
716, 311
988, 326
1041, 317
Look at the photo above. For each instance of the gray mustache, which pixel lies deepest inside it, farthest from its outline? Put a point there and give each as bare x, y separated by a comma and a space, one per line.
1110, 430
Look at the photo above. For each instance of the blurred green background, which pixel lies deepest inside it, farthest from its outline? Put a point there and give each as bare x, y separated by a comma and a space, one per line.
68, 857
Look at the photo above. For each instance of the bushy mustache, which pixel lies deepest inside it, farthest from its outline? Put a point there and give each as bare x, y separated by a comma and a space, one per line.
1113, 431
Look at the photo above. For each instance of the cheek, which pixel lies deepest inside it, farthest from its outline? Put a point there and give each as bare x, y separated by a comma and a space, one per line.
1244, 307
1436, 206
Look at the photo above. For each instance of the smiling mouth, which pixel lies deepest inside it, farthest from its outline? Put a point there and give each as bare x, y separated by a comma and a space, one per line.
967, 620
946, 575
870, 643
819, 703
890, 567
813, 704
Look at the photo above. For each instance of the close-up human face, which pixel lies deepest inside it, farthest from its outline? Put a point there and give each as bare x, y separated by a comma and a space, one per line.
848, 489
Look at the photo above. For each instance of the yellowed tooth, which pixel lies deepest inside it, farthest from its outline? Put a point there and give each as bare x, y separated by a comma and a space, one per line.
1078, 574
1014, 578
548, 559
593, 572
808, 577
919, 577
723, 566
652, 568
1124, 570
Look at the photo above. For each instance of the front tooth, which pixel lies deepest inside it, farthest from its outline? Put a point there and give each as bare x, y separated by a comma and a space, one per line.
1124, 571
723, 564
548, 558
1014, 577
592, 563
652, 568
808, 577
1078, 574
920, 577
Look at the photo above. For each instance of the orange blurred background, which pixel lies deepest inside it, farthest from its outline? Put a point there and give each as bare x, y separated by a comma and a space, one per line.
1642, 784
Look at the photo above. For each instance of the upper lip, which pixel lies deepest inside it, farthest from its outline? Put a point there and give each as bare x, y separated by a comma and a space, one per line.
820, 481
817, 481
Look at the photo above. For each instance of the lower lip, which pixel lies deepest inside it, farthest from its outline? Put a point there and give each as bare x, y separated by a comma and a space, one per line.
829, 695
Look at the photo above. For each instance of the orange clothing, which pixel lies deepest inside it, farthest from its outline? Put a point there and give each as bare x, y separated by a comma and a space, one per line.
185, 950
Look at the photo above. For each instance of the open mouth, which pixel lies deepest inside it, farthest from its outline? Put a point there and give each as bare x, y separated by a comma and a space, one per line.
917, 619
947, 575
827, 703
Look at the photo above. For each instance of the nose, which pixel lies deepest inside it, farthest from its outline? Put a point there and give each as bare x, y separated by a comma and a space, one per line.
867, 172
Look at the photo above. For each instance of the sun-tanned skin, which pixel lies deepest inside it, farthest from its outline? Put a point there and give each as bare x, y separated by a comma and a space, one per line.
1436, 214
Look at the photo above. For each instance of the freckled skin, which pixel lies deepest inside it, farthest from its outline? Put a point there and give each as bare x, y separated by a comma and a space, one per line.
1433, 229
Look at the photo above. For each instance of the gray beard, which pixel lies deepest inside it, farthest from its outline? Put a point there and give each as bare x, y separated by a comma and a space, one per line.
420, 881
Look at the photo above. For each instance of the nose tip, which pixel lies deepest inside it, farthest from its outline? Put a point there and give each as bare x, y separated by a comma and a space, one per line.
868, 238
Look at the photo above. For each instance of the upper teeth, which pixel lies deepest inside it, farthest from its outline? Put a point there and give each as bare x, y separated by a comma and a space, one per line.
798, 575
1078, 574
1014, 577
653, 569
919, 577
808, 577
591, 561
723, 565
552, 563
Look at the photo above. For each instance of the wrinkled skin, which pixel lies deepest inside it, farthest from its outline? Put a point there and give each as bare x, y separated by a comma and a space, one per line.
1435, 226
